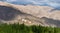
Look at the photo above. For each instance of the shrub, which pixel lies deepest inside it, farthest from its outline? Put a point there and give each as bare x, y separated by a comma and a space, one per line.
21, 28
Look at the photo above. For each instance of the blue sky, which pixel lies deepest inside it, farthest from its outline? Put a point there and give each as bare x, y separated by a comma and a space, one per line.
51, 3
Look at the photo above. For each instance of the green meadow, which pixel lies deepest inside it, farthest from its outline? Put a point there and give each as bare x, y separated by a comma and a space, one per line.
21, 28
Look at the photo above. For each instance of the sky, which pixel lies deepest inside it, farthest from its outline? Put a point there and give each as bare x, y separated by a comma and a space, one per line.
51, 3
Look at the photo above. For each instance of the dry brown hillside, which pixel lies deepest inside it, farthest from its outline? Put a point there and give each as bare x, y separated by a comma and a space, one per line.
30, 15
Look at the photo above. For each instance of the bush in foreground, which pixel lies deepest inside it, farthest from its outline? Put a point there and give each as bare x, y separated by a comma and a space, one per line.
21, 28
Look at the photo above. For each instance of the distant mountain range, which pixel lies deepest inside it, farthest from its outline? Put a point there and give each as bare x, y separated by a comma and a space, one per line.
51, 3
29, 14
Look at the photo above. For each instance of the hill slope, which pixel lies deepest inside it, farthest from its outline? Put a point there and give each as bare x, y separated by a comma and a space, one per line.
30, 15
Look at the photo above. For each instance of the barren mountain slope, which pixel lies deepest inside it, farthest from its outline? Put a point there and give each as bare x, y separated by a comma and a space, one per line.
39, 11
37, 15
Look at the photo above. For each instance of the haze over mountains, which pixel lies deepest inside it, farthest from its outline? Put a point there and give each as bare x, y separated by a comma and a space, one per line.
29, 14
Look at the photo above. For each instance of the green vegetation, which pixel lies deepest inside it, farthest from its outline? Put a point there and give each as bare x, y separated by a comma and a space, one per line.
16, 28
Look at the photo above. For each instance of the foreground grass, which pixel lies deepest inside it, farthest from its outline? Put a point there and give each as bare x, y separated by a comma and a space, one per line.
16, 28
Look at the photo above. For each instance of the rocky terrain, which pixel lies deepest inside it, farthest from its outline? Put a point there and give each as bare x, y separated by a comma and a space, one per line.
29, 15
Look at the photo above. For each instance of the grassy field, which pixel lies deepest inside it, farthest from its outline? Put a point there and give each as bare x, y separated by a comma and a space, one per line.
16, 28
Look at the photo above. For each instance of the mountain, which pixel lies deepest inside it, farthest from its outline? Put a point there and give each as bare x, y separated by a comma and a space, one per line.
29, 15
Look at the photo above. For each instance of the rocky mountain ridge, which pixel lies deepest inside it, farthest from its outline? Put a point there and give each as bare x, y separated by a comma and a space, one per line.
30, 15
